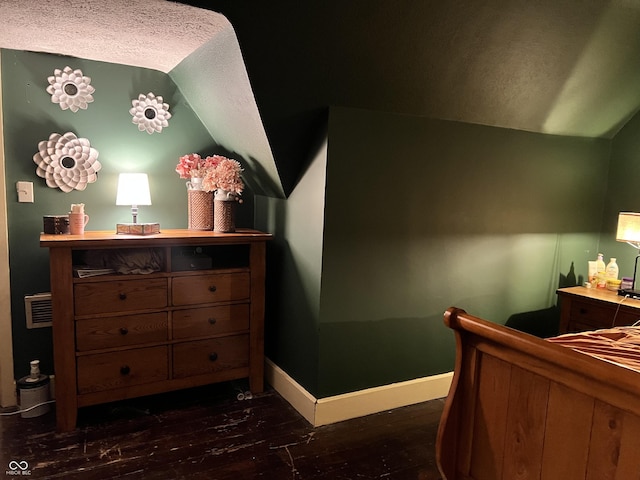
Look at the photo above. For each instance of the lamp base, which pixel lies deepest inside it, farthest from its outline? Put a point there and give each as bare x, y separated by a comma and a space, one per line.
138, 228
628, 292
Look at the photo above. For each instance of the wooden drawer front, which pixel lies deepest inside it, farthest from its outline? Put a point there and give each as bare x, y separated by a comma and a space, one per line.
201, 322
192, 290
108, 371
96, 333
596, 316
119, 296
210, 356
627, 316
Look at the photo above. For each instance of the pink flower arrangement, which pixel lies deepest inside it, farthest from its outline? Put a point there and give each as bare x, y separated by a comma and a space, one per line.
217, 172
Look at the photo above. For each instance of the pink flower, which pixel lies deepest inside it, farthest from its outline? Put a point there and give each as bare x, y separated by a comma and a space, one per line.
225, 176
217, 172
189, 166
210, 163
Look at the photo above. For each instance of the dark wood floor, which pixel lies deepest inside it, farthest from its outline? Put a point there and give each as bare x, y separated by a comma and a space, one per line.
206, 433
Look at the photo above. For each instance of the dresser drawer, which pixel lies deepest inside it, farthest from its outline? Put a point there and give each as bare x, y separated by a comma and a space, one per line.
119, 296
594, 315
201, 322
210, 356
108, 371
97, 333
193, 290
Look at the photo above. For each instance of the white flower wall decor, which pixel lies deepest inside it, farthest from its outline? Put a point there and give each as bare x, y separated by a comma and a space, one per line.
67, 162
70, 89
150, 113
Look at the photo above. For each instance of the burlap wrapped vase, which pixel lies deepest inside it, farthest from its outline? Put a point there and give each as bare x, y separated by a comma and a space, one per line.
224, 212
200, 208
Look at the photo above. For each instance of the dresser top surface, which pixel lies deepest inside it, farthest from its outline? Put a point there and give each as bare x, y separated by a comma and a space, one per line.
166, 237
601, 295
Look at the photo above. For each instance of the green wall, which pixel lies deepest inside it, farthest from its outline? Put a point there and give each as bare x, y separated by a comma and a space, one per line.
424, 214
294, 271
420, 215
30, 116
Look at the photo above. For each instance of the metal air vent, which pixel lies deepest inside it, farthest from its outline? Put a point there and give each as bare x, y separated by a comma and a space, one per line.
38, 310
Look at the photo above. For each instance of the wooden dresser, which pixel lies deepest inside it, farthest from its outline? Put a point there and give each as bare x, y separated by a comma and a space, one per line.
197, 319
584, 308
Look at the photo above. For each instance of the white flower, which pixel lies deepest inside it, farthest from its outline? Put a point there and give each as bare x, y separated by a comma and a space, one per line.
150, 113
70, 89
67, 162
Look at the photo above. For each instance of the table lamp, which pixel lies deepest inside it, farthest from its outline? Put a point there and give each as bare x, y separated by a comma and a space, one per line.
629, 232
133, 189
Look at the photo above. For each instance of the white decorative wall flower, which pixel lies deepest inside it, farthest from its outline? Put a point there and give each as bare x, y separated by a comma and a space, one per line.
67, 162
70, 88
150, 113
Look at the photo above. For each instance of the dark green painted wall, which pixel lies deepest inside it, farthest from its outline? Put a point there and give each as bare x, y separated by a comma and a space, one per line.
294, 273
30, 116
424, 214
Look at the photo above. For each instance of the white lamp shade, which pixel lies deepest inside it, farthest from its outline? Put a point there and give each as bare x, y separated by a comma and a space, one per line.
628, 227
133, 189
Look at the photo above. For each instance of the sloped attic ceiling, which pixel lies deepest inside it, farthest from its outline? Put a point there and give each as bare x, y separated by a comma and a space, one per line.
567, 67
159, 35
561, 67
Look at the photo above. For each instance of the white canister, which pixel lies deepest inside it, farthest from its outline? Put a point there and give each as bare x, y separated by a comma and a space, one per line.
33, 391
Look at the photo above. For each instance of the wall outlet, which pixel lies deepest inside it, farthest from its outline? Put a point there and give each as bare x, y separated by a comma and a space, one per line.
25, 192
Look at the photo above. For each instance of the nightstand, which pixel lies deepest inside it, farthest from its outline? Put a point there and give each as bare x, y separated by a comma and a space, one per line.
584, 308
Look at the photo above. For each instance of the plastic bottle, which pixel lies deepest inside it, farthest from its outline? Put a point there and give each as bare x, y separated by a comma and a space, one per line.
593, 273
612, 270
602, 272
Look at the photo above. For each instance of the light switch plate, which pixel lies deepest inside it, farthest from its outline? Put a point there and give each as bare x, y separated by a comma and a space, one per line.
25, 192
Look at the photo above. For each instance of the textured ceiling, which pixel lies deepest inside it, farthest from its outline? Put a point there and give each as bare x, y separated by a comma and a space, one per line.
154, 34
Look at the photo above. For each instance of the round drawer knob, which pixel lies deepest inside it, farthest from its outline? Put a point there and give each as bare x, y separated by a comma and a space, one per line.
125, 370
212, 321
213, 356
212, 288
122, 296
124, 331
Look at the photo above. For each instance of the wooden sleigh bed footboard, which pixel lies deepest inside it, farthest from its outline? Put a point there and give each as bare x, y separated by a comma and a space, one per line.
521, 407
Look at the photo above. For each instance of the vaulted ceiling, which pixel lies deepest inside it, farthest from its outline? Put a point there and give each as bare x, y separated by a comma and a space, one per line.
567, 67
146, 33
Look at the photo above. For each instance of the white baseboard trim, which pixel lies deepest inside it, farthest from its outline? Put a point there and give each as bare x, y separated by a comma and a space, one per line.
290, 390
337, 408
